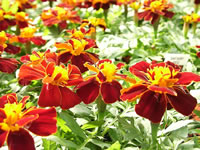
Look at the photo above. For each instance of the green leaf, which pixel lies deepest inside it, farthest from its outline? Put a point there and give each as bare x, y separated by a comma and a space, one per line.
5, 5
49, 145
61, 141
62, 124
72, 124
115, 146
197, 112
92, 124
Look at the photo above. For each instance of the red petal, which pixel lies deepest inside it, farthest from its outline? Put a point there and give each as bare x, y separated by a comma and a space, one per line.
183, 102
22, 24
45, 124
25, 59
37, 40
162, 90
155, 18
141, 66
169, 14
8, 98
20, 140
69, 98
3, 137
50, 96
12, 49
140, 75
3, 25
8, 65
23, 40
63, 24
133, 92
186, 78
110, 91
26, 119
151, 106
29, 73
88, 90
65, 57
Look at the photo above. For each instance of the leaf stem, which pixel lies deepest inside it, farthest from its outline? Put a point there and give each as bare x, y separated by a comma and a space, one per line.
154, 131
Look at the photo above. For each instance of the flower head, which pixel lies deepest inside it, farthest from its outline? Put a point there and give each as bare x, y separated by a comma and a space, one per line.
16, 121
153, 9
4, 22
125, 2
75, 50
161, 84
103, 82
192, 18
22, 19
55, 79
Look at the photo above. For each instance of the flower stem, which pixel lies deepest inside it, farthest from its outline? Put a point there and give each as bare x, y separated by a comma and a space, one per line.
28, 48
105, 12
135, 18
196, 8
185, 29
17, 32
155, 28
101, 108
154, 131
50, 3
194, 27
125, 12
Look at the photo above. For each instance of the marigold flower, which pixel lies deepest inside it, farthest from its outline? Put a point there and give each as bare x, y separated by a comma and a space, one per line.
16, 121
162, 86
103, 82
24, 4
197, 2
59, 16
22, 19
126, 2
154, 9
27, 35
55, 79
97, 4
4, 22
74, 50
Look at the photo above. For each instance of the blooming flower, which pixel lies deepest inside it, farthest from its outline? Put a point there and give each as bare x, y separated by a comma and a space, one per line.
197, 2
59, 16
55, 79
126, 2
16, 121
97, 4
22, 19
27, 35
74, 50
153, 9
24, 4
4, 22
102, 83
7, 65
162, 86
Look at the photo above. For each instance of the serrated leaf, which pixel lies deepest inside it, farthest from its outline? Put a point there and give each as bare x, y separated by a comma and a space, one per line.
49, 145
92, 124
72, 124
62, 124
115, 146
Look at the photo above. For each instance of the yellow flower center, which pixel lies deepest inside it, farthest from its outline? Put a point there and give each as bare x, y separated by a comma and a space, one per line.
162, 76
35, 58
62, 13
100, 1
21, 1
13, 114
1, 14
108, 70
78, 46
156, 6
96, 21
59, 76
135, 5
20, 16
3, 39
195, 17
28, 32
78, 34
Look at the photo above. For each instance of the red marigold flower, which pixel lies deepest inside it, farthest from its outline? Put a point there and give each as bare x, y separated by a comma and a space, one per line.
154, 9
22, 19
126, 2
16, 121
74, 50
97, 4
24, 4
59, 16
103, 82
197, 2
8, 65
27, 35
55, 81
161, 85
4, 22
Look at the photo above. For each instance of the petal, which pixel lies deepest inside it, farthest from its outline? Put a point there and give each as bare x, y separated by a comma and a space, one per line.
110, 91
50, 96
3, 25
64, 57
26, 119
162, 90
155, 18
22, 24
31, 72
140, 75
69, 98
183, 102
88, 90
133, 92
186, 78
12, 49
3, 137
45, 124
169, 14
141, 66
141, 15
37, 40
8, 65
63, 24
20, 140
8, 98
151, 106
